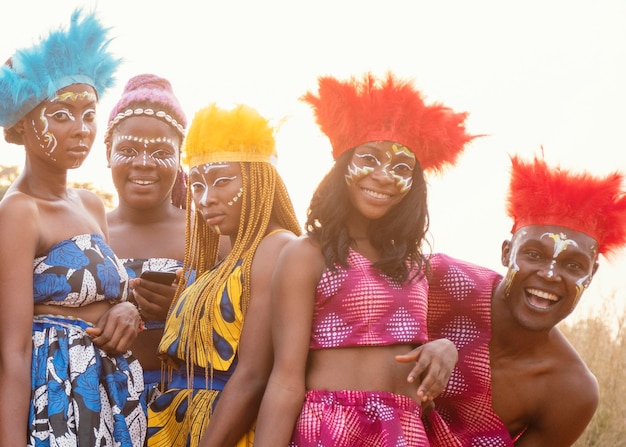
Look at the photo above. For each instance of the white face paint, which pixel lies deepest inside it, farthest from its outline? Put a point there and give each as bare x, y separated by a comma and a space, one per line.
48, 141
208, 184
163, 151
393, 163
577, 266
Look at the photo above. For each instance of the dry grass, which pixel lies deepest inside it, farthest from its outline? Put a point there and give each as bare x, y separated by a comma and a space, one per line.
602, 344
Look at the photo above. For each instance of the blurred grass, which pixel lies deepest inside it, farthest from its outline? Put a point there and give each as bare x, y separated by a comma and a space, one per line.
601, 341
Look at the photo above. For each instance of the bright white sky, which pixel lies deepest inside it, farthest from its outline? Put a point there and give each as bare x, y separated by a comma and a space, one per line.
533, 73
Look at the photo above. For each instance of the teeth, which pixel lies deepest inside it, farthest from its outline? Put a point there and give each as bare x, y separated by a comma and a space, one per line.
543, 295
375, 194
143, 182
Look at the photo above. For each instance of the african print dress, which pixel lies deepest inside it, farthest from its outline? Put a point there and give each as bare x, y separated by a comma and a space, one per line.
80, 395
179, 416
459, 309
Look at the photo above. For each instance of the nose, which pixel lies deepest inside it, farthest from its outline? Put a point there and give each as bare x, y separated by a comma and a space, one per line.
205, 198
143, 159
550, 271
83, 127
381, 174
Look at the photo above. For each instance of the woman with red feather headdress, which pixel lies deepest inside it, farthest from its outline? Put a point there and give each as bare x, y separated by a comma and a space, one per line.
351, 294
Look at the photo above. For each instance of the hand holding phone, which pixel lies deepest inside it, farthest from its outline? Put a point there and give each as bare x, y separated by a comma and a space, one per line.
165, 278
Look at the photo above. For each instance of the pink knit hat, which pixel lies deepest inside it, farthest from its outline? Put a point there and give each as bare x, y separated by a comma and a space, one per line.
149, 95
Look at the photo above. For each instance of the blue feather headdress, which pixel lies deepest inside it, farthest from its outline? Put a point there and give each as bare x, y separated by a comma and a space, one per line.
76, 55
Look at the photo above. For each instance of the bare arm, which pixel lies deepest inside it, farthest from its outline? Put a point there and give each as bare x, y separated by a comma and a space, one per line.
19, 238
298, 272
240, 400
117, 329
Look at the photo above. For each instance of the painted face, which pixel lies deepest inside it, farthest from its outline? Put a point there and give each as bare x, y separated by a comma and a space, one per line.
549, 267
379, 175
217, 193
62, 128
144, 160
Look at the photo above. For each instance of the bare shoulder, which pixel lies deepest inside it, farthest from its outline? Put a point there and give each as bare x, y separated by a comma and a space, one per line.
94, 206
570, 396
304, 249
572, 373
17, 208
289, 249
91, 200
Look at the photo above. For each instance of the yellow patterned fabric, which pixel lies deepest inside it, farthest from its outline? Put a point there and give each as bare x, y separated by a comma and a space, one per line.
166, 429
179, 416
220, 324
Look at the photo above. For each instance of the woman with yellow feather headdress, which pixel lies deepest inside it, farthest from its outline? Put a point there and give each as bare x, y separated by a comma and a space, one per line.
210, 354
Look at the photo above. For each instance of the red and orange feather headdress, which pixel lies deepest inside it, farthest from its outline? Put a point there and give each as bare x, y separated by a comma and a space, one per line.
541, 195
355, 112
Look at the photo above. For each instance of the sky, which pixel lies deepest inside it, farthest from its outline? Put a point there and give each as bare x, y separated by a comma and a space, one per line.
535, 76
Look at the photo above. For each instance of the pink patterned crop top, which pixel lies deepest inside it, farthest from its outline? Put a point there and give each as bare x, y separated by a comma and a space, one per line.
361, 306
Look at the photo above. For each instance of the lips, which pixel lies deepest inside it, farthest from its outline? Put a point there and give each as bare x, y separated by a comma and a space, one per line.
541, 299
78, 150
213, 219
143, 181
376, 195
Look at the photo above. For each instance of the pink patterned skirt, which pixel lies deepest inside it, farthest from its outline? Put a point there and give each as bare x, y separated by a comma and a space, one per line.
359, 418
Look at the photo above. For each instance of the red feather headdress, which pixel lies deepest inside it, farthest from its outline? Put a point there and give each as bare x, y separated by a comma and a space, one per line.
540, 195
356, 111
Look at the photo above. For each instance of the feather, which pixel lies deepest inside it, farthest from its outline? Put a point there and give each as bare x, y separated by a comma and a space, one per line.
76, 55
357, 111
239, 134
543, 195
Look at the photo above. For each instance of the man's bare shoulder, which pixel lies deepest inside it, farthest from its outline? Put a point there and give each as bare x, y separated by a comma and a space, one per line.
569, 370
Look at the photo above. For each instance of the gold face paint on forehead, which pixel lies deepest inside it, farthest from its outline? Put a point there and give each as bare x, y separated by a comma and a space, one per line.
400, 149
73, 96
561, 242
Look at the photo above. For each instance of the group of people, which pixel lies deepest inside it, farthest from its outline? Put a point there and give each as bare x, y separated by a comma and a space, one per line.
255, 329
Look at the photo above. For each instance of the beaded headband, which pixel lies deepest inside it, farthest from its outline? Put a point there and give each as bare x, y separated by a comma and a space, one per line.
147, 95
146, 112
76, 55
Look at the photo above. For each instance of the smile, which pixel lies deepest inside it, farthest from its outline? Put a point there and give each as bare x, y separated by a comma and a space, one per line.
143, 182
376, 195
541, 299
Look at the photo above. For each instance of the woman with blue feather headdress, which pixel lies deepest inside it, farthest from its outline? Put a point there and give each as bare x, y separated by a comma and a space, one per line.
66, 375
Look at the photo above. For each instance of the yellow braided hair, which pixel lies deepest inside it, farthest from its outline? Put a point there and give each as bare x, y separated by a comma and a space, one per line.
264, 197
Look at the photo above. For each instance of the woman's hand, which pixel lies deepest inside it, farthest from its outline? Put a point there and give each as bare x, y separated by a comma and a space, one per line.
434, 362
117, 329
153, 299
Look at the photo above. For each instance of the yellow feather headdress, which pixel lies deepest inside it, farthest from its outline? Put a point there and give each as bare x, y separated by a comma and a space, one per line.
239, 134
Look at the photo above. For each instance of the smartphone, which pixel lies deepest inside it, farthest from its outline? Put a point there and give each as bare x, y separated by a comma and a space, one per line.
166, 278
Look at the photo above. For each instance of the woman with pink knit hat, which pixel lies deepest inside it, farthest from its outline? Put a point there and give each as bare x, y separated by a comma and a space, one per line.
147, 230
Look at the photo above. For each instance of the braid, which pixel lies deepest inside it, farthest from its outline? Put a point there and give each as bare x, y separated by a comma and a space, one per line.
179, 190
263, 196
283, 207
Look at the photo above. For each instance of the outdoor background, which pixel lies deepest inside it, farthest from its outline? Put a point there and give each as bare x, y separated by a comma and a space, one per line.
533, 74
